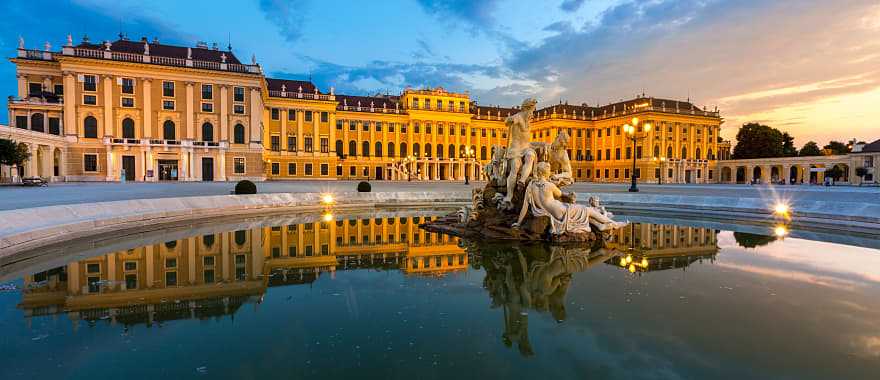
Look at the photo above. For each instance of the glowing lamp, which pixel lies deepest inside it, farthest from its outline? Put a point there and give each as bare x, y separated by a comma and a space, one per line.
781, 209
327, 217
327, 199
780, 231
632, 268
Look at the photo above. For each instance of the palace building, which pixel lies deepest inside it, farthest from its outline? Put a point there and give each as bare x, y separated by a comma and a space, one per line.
157, 112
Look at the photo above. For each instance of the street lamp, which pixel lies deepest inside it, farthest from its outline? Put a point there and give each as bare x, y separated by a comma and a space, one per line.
631, 134
468, 155
660, 161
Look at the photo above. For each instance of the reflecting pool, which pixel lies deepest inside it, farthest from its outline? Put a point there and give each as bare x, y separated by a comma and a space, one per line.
342, 296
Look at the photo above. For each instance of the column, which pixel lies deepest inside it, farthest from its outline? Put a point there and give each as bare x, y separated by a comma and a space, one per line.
300, 141
69, 106
147, 115
224, 114
786, 174
48, 158
256, 123
105, 128
190, 117
111, 269
111, 171
224, 255
73, 285
23, 86
332, 128
765, 174
148, 164
283, 117
191, 260
257, 255
316, 138
149, 262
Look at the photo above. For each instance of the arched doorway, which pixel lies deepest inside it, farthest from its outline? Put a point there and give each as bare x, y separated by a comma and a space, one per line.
740, 174
793, 175
56, 162
756, 174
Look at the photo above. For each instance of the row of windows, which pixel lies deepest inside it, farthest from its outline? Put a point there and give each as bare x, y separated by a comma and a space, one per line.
404, 151
308, 116
127, 85
169, 130
438, 105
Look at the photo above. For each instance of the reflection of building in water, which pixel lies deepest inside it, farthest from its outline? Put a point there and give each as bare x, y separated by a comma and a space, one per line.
214, 274
650, 247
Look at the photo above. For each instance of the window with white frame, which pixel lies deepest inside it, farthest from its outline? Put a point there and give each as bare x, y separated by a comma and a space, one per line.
238, 165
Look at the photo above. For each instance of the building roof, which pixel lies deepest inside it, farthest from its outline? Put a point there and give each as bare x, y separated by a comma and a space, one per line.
493, 111
162, 50
873, 147
290, 85
377, 101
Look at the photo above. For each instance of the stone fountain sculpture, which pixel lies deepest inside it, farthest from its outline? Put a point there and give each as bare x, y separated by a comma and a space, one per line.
523, 199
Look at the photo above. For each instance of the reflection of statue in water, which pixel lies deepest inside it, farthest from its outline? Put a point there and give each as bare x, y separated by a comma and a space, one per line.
531, 277
542, 199
520, 155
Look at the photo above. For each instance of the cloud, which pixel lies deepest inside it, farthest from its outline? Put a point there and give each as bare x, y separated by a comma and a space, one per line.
571, 5
288, 15
478, 15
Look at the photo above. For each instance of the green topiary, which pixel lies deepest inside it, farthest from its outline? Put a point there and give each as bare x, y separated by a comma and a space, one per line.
364, 187
245, 187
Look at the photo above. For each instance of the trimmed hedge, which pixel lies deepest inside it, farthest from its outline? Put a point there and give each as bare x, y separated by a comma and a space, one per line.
364, 187
245, 187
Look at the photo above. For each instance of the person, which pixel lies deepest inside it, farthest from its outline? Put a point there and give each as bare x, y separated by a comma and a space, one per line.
542, 198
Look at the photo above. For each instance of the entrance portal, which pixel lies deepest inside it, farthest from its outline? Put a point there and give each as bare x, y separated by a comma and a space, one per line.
168, 170
379, 173
207, 169
128, 166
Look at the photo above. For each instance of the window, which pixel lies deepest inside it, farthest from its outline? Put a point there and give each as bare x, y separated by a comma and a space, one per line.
168, 105
365, 125
238, 166
208, 241
130, 265
439, 104
275, 114
416, 128
352, 171
325, 117
339, 124
275, 143
90, 127
207, 107
90, 83
291, 168
127, 86
352, 126
127, 128
207, 92
308, 116
291, 143
168, 130
291, 115
308, 144
238, 94
35, 89
90, 99
90, 162
21, 122
238, 109
127, 102
325, 145
325, 169
352, 148
54, 125
207, 132
37, 122
378, 126
365, 149
308, 169
238, 134
428, 128
59, 89
168, 89
276, 168
339, 170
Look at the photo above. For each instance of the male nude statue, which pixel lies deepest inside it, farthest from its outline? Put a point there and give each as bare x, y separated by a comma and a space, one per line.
520, 155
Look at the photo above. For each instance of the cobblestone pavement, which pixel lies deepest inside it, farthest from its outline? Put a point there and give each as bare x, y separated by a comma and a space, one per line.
13, 197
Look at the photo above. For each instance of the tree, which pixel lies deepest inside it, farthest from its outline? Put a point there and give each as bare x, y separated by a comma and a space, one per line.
12, 153
758, 141
788, 149
861, 173
837, 147
810, 149
747, 240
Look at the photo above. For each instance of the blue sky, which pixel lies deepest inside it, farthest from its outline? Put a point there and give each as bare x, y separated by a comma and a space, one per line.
808, 67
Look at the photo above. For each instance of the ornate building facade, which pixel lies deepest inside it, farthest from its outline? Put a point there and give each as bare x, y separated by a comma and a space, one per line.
147, 111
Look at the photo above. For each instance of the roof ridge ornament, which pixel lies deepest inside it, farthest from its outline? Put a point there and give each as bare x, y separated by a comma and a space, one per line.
189, 53
69, 40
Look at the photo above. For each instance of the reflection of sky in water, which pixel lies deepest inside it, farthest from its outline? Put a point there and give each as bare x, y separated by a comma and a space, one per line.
789, 309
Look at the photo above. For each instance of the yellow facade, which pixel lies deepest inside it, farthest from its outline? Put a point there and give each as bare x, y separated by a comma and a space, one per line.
151, 108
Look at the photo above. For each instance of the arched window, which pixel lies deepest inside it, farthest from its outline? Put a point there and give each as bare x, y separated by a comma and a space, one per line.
403, 151
365, 147
427, 150
656, 150
697, 154
684, 153
208, 240
238, 134
90, 127
207, 132
168, 130
171, 244
352, 148
482, 152
451, 147
391, 149
37, 123
127, 128
669, 151
474, 150
461, 151
416, 150
240, 237
339, 148
440, 151
378, 150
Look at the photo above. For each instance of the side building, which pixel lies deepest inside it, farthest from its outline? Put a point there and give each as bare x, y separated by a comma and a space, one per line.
146, 111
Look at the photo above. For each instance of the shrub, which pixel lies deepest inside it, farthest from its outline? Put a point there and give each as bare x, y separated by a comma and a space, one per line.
245, 187
364, 187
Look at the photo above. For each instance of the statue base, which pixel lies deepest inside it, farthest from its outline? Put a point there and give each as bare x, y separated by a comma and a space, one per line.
487, 219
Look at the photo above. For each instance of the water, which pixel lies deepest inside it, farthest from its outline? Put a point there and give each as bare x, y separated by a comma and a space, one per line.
378, 298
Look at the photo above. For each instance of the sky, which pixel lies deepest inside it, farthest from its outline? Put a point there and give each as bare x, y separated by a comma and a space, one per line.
811, 68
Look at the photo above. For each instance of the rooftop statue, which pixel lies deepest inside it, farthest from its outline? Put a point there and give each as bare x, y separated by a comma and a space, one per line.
523, 199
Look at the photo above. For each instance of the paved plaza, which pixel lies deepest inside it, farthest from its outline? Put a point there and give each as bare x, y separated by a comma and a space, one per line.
15, 197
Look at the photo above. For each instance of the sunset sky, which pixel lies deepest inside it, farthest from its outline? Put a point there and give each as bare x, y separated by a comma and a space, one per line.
811, 68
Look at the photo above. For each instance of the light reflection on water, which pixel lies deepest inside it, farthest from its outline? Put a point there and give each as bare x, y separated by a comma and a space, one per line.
378, 297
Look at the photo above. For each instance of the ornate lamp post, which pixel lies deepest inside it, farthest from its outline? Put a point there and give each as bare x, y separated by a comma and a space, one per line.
468, 156
631, 134
660, 161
